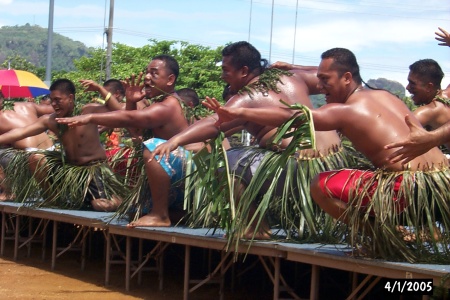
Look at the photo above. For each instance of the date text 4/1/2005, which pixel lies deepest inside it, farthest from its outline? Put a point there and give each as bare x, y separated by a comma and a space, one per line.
409, 286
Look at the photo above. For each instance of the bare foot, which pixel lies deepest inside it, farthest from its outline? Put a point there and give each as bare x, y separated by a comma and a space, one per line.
260, 235
5, 197
407, 235
425, 236
150, 220
105, 204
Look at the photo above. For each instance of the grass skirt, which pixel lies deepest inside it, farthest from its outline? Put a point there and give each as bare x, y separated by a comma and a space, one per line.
67, 185
420, 233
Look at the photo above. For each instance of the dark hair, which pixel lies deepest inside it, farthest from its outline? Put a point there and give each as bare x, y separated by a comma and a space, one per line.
244, 54
63, 85
115, 86
344, 61
189, 95
45, 98
428, 70
171, 64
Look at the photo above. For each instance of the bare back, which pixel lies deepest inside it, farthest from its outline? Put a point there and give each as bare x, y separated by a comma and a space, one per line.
23, 115
371, 119
294, 89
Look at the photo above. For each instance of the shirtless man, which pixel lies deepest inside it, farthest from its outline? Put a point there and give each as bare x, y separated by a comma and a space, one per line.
164, 117
424, 85
370, 119
420, 141
20, 114
81, 148
242, 70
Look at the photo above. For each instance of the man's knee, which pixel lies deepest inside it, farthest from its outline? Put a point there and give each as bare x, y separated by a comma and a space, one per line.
315, 189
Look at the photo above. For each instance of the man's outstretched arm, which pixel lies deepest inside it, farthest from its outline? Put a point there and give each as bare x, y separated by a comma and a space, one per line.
111, 101
200, 131
148, 118
269, 116
23, 132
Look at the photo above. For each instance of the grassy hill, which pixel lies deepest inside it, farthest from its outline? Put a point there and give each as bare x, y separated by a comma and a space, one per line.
30, 42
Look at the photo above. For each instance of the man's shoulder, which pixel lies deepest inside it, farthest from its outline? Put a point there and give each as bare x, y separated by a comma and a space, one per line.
28, 106
442, 100
169, 101
240, 99
373, 94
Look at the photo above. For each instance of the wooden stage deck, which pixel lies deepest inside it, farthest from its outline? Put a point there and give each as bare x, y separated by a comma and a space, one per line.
270, 253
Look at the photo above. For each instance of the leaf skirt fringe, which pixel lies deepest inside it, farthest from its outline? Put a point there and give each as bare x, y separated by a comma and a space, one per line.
279, 187
18, 177
63, 185
419, 233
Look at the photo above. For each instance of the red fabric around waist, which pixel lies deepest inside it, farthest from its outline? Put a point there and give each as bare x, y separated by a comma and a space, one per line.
343, 184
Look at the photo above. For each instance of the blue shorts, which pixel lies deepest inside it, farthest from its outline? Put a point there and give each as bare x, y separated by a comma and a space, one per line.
175, 166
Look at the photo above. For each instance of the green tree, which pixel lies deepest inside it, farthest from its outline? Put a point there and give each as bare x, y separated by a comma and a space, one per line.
18, 62
318, 100
198, 66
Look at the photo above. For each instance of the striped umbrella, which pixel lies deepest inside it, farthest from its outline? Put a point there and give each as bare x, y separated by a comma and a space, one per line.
21, 84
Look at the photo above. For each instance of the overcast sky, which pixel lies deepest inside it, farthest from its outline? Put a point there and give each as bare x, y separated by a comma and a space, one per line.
385, 35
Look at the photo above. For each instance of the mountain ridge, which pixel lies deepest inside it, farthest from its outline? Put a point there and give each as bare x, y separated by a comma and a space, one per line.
30, 42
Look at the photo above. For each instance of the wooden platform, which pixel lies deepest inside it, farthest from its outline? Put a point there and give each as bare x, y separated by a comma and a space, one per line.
270, 253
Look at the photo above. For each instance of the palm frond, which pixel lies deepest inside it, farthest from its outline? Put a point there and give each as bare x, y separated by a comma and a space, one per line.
18, 176
67, 185
211, 182
292, 209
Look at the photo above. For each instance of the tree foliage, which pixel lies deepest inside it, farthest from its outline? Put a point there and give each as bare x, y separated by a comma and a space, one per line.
318, 100
198, 65
18, 62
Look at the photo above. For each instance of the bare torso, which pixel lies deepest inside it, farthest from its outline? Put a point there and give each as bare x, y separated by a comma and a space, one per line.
174, 122
383, 123
23, 115
434, 114
81, 143
293, 90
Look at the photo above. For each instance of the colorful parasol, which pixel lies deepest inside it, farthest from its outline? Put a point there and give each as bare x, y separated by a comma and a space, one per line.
21, 84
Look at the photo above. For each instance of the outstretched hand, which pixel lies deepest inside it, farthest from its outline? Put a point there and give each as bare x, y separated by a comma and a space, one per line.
225, 114
418, 142
90, 85
443, 37
134, 88
163, 150
281, 65
74, 121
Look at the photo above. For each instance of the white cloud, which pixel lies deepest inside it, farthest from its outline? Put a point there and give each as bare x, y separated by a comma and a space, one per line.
24, 8
353, 34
